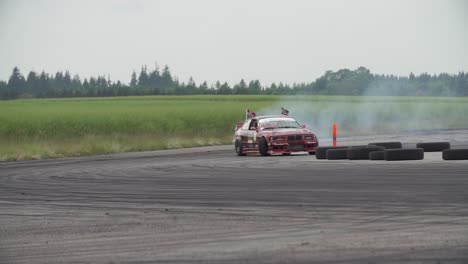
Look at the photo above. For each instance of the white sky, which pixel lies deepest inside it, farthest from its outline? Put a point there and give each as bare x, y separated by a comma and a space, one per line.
288, 41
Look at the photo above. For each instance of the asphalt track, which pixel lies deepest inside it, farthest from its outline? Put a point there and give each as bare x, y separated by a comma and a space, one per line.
206, 205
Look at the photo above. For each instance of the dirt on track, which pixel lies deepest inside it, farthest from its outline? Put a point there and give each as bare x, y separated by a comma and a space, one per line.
206, 205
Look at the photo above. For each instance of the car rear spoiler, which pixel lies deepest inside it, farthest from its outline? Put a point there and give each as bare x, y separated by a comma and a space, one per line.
238, 125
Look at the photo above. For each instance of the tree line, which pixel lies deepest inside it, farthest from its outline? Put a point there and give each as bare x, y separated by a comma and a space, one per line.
161, 82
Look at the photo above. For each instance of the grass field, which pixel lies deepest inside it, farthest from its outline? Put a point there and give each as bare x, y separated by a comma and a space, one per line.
42, 128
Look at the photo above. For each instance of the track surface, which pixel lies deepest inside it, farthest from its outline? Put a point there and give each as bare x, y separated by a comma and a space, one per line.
206, 205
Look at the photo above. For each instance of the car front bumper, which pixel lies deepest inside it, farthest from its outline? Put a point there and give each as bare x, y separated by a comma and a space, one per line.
289, 147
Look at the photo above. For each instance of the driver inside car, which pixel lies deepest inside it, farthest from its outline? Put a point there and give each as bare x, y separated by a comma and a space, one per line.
254, 125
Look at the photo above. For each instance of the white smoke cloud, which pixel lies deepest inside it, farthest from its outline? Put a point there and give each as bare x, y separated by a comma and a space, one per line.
372, 115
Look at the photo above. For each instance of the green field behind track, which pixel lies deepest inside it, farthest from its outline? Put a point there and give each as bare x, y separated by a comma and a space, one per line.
42, 128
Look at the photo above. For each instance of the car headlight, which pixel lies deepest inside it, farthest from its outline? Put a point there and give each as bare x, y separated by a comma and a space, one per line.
309, 137
277, 138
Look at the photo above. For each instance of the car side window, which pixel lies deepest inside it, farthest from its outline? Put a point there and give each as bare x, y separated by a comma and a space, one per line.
253, 124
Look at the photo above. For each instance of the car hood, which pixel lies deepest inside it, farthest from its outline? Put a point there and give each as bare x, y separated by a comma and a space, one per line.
286, 131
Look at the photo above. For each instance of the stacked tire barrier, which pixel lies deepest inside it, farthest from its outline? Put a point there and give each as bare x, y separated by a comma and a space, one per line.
337, 153
362, 153
390, 151
433, 146
455, 154
321, 152
404, 154
388, 145
377, 155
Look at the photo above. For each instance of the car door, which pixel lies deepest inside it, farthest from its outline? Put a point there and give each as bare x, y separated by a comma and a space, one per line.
251, 134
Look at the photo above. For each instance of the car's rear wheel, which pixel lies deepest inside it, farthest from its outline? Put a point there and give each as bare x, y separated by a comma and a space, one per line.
238, 148
263, 147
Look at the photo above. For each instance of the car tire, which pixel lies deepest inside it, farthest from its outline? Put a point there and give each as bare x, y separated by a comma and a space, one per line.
321, 152
263, 147
433, 146
337, 154
404, 154
388, 145
376, 155
238, 148
455, 154
362, 153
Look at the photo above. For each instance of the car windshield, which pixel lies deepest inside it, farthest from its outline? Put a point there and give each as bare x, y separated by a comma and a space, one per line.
271, 123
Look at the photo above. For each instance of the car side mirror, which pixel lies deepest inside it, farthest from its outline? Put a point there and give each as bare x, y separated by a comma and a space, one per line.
303, 126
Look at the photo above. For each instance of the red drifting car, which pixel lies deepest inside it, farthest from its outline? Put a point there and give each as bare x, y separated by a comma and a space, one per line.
276, 134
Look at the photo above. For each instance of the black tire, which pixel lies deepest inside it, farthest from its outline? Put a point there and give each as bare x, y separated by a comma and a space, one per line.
362, 153
359, 146
321, 152
388, 145
238, 148
263, 147
376, 155
404, 154
336, 154
433, 146
455, 154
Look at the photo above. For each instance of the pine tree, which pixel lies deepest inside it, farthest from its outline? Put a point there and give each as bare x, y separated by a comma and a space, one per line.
16, 84
203, 88
155, 80
133, 80
143, 78
3, 90
240, 88
167, 80
254, 87
225, 89
32, 83
43, 86
191, 87
67, 87
76, 86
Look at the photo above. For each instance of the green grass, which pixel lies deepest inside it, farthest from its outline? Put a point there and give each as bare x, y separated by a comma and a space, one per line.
42, 128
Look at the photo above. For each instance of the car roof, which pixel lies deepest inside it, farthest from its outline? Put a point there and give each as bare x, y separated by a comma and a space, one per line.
270, 116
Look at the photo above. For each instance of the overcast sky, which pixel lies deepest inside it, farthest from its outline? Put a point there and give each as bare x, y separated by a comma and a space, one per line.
288, 41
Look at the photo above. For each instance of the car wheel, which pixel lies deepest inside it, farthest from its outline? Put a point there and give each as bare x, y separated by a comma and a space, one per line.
263, 147
238, 148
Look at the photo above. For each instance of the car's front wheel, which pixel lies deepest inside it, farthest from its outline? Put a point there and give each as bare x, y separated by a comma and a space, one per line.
238, 148
263, 147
